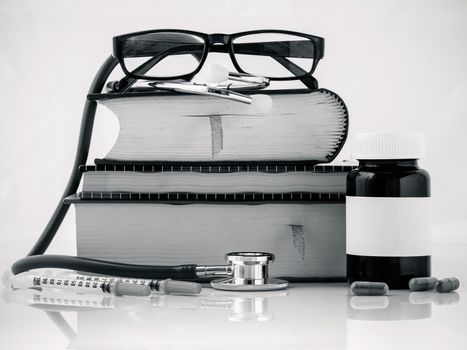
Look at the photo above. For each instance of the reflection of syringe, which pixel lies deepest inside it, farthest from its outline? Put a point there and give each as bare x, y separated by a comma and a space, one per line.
117, 287
53, 300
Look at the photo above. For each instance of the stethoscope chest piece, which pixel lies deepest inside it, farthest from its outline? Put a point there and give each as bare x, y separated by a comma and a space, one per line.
249, 272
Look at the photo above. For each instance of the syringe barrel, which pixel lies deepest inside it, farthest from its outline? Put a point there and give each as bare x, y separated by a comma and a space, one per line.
71, 284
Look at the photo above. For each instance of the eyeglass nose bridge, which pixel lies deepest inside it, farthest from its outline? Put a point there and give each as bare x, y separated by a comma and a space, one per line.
218, 38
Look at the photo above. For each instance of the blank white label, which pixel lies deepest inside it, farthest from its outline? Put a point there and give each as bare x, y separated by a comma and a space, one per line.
388, 226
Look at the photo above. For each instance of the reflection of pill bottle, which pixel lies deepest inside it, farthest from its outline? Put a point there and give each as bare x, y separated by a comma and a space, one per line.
387, 210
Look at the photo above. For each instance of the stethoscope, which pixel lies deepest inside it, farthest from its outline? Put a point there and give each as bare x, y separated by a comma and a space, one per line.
245, 271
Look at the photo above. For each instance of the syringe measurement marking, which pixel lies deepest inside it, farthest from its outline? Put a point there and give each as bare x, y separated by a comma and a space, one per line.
141, 282
63, 283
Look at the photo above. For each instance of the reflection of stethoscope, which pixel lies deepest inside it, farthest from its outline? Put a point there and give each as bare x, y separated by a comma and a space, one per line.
249, 307
245, 271
252, 306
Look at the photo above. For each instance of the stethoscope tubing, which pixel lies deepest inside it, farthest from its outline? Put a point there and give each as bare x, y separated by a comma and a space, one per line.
103, 267
36, 258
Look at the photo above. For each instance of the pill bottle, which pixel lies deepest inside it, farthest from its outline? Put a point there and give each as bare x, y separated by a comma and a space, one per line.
388, 236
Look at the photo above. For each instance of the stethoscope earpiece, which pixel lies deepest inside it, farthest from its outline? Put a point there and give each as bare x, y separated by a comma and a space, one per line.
217, 85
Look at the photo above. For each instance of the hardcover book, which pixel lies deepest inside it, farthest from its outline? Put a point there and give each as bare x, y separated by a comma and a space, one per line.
302, 125
307, 236
213, 179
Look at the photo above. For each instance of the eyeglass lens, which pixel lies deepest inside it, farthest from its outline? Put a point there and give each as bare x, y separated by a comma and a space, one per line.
274, 55
162, 54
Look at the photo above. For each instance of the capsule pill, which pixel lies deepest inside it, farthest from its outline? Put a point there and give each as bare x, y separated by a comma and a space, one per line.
447, 285
369, 288
422, 283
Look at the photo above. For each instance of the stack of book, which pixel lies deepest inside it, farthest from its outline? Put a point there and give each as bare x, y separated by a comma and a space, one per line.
191, 178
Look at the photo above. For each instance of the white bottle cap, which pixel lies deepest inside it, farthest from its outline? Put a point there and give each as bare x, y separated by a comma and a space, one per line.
388, 146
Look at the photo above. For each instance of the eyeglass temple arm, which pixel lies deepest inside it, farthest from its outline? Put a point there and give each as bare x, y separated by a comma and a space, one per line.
126, 82
81, 156
252, 49
305, 78
297, 51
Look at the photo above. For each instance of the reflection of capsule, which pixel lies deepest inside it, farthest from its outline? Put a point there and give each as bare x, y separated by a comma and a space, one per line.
420, 298
372, 308
369, 302
446, 298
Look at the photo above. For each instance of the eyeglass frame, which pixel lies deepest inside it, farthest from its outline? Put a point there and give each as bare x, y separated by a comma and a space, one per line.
210, 41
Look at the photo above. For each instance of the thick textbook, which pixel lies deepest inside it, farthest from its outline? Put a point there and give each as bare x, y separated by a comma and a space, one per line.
302, 125
307, 236
101, 180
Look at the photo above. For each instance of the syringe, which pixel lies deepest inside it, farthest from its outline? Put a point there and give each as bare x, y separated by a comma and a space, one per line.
93, 282
116, 287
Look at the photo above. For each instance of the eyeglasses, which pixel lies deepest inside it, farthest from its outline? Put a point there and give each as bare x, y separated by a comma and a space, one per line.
180, 54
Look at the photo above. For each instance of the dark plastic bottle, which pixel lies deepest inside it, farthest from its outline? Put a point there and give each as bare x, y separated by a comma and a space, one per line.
388, 229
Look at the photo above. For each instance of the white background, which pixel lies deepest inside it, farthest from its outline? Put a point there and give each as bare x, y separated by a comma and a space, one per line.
399, 65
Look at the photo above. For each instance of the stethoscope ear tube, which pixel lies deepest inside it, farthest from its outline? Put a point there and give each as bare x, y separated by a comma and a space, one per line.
102, 267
